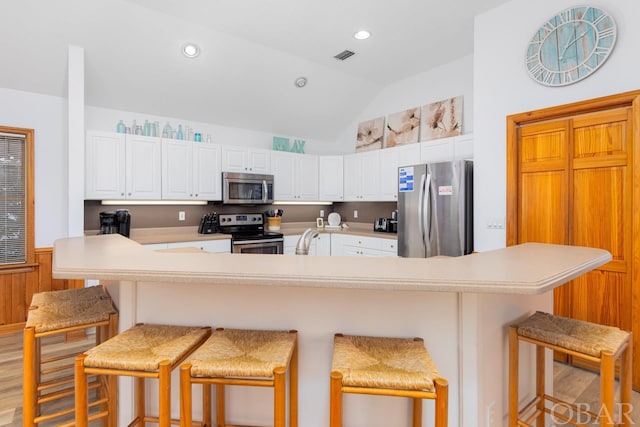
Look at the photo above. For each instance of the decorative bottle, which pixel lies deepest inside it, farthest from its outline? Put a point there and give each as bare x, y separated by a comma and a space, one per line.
147, 128
167, 132
121, 128
180, 134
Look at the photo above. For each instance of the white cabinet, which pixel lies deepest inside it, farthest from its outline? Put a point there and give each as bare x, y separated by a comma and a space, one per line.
211, 246
320, 245
191, 171
447, 149
120, 166
295, 176
390, 160
352, 245
362, 176
330, 178
244, 159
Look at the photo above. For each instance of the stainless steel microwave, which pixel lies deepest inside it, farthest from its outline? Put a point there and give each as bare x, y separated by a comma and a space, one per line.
247, 188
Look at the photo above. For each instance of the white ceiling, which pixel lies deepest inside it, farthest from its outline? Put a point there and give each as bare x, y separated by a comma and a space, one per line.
252, 51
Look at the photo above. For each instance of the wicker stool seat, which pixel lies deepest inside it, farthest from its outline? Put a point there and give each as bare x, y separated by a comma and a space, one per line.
598, 343
54, 313
242, 357
143, 351
386, 366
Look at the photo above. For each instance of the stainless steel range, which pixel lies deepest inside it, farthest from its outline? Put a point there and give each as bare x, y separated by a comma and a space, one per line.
248, 235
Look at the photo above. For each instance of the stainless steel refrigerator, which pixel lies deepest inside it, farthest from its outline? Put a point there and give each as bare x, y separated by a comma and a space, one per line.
435, 209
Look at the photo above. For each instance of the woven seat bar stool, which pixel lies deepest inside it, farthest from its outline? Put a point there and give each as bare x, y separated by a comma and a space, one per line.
242, 357
589, 341
386, 367
143, 351
46, 380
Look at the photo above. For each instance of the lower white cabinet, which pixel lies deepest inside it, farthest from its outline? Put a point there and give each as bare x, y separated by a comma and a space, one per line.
351, 245
320, 245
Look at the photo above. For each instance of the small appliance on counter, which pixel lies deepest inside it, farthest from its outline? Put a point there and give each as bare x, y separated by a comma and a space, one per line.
387, 225
209, 223
118, 222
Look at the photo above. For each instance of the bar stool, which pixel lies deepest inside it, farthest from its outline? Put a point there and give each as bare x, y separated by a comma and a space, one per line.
589, 341
245, 358
46, 380
143, 351
387, 367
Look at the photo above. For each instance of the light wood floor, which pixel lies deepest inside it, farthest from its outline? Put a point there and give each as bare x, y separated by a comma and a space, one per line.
570, 383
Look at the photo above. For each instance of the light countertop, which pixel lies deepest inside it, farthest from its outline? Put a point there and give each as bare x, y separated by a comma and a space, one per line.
531, 268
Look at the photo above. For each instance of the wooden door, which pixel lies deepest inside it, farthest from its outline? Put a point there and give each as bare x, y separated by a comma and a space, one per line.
573, 178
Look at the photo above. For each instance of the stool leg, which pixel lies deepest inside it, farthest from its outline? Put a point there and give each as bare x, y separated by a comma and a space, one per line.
625, 385
293, 386
164, 377
220, 416
442, 402
279, 397
112, 381
513, 376
417, 412
185, 395
335, 400
540, 384
206, 404
140, 396
607, 384
29, 377
81, 398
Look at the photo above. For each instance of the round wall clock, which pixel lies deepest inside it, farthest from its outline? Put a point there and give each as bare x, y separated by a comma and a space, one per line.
570, 46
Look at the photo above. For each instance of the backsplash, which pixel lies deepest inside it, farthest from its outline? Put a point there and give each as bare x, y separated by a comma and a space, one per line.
167, 216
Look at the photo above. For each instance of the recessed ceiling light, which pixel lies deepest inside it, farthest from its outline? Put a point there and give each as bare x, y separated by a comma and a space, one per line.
190, 50
362, 35
300, 82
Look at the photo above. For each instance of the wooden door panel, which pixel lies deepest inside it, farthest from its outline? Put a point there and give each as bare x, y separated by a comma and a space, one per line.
601, 211
542, 211
602, 134
543, 147
597, 296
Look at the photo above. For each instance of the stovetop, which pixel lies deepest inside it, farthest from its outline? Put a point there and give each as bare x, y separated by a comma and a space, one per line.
245, 227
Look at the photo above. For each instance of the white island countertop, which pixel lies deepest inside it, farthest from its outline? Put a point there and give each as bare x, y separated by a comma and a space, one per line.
531, 268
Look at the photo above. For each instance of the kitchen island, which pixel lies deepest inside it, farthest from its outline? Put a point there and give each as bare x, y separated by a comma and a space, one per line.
460, 306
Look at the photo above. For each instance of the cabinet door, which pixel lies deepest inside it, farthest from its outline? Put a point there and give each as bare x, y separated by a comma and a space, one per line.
306, 180
370, 175
463, 147
258, 161
104, 166
330, 178
322, 245
438, 150
352, 177
177, 167
284, 175
234, 159
207, 172
143, 169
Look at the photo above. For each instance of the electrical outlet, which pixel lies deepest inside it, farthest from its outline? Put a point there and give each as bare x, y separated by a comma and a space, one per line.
491, 415
355, 213
181, 216
495, 223
321, 213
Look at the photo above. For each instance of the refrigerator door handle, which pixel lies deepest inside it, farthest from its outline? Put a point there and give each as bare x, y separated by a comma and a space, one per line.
421, 194
428, 217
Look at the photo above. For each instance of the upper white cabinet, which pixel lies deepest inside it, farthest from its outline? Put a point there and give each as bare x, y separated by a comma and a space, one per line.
119, 166
244, 159
390, 160
362, 176
447, 149
191, 170
331, 178
295, 176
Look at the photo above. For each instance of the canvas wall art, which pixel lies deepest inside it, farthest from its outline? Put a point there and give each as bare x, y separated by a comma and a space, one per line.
441, 119
403, 128
370, 135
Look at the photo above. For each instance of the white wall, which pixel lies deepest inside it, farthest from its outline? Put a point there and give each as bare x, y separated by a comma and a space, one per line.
447, 81
502, 87
48, 116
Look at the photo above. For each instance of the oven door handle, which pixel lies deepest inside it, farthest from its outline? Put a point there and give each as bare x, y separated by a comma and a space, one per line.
248, 242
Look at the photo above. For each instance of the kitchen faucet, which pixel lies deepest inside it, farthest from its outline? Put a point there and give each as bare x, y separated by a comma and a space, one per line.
304, 242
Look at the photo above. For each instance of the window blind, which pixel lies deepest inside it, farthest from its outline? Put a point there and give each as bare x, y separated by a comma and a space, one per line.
13, 192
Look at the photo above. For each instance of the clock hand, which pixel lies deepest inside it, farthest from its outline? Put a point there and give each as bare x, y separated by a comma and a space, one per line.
570, 42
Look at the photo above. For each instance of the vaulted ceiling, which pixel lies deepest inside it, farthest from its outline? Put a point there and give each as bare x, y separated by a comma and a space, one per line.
251, 53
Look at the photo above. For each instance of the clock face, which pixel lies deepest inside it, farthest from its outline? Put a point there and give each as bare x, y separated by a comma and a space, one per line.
570, 46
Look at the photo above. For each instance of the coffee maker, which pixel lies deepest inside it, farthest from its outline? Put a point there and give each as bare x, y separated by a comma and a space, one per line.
115, 222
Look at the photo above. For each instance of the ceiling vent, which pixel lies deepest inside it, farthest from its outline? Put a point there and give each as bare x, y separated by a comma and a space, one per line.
344, 55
